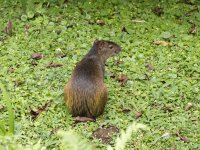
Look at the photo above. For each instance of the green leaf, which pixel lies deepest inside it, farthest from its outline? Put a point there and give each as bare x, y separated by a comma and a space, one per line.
30, 14
166, 35
24, 18
2, 128
10, 110
173, 76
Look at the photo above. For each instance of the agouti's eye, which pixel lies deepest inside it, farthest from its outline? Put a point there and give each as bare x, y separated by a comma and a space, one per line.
110, 46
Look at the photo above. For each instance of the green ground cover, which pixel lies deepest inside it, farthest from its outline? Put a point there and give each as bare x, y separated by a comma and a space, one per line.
160, 55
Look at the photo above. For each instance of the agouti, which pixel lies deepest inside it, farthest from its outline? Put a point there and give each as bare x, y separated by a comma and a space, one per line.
85, 93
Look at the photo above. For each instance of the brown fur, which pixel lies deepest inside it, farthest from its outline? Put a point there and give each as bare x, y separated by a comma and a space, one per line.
85, 93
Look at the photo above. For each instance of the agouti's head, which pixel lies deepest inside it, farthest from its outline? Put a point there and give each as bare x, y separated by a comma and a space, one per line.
106, 49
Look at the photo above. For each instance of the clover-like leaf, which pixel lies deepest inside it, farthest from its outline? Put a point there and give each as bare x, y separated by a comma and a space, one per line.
30, 14
24, 17
166, 35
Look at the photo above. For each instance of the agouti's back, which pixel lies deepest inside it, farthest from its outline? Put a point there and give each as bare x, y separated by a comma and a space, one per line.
85, 93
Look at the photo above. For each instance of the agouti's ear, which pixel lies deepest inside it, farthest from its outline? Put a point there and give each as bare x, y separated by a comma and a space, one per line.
101, 44
96, 41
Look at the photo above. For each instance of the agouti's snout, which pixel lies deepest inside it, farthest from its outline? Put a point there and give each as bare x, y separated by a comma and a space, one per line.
118, 50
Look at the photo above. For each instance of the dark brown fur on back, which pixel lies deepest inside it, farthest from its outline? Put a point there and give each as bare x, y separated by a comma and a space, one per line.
85, 94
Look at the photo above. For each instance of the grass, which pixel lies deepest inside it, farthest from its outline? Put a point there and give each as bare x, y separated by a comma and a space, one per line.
10, 124
162, 93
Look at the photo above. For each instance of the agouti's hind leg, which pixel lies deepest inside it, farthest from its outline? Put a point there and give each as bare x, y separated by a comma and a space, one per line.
84, 119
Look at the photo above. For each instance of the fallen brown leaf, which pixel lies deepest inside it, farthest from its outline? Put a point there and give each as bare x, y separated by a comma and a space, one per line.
8, 28
83, 119
105, 133
122, 79
163, 43
53, 65
35, 113
138, 114
184, 139
37, 56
